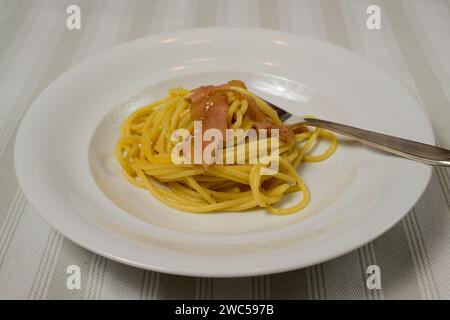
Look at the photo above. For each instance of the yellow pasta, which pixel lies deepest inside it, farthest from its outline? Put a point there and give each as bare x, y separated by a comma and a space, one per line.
144, 153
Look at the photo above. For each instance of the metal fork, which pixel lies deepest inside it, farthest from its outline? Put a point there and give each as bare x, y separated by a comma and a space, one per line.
417, 151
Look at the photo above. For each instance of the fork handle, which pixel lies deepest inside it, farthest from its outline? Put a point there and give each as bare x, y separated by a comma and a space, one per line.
417, 151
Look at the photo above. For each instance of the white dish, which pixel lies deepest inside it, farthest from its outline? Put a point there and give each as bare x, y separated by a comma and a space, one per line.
65, 164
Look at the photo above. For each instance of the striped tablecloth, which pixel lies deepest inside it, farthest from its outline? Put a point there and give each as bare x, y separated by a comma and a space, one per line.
413, 45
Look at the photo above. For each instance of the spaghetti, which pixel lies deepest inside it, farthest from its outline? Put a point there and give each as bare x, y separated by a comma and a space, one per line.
145, 146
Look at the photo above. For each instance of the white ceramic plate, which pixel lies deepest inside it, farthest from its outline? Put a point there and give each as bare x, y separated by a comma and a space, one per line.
65, 164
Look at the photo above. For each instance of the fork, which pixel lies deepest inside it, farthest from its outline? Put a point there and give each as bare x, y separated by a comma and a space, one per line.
412, 150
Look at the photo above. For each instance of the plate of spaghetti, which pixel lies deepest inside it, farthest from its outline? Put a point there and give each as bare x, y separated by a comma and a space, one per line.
163, 153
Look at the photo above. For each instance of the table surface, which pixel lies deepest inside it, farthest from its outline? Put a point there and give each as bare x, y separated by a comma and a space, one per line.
413, 45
